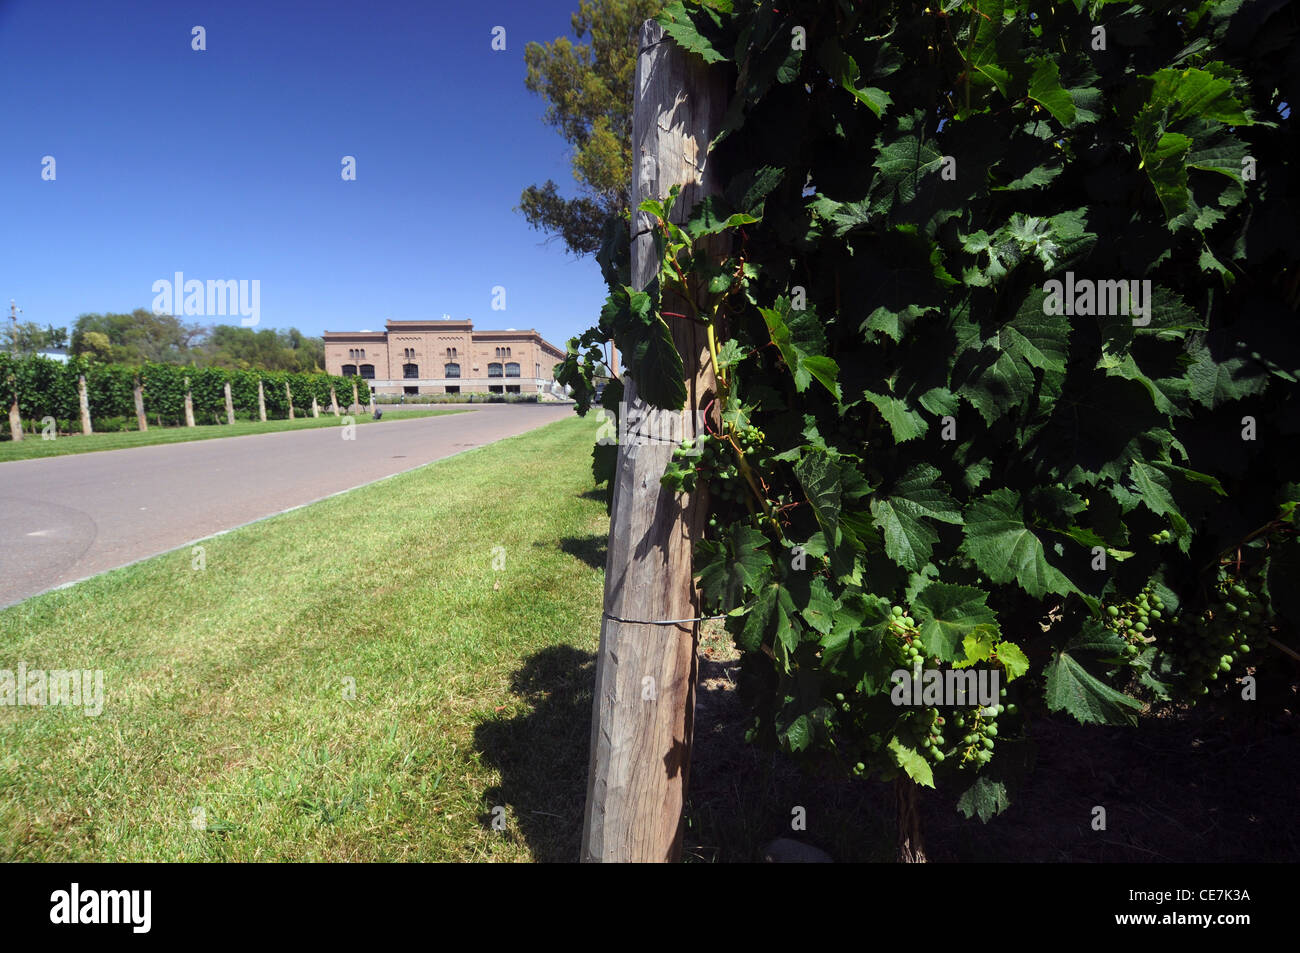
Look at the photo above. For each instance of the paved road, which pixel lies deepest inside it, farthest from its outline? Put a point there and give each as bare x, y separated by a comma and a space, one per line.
65, 518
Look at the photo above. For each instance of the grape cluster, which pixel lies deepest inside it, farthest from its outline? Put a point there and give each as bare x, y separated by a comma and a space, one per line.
981, 728
907, 646
1164, 536
713, 460
1221, 634
926, 727
1135, 620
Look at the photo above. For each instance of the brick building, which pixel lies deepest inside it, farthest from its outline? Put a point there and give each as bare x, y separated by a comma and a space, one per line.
443, 357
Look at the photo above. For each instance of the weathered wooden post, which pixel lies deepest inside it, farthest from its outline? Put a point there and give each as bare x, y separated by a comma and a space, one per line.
644, 702
15, 418
189, 405
230, 405
315, 407
356, 400
141, 421
334, 402
288, 395
261, 401
83, 400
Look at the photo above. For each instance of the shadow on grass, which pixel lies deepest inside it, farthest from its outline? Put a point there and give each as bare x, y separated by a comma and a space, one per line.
542, 753
590, 549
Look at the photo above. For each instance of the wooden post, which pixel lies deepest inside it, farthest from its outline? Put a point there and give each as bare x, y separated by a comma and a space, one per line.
230, 405
334, 402
15, 418
84, 401
372, 403
356, 400
644, 702
261, 401
315, 407
189, 405
289, 397
142, 422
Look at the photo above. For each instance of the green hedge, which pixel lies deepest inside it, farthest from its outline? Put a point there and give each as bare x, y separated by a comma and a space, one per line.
45, 387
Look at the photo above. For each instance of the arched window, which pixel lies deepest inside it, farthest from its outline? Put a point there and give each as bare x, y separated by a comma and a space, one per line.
410, 371
494, 370
451, 370
512, 370
507, 352
367, 372
349, 370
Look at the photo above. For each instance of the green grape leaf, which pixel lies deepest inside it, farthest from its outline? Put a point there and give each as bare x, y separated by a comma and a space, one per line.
985, 799
1007, 550
904, 513
947, 615
912, 762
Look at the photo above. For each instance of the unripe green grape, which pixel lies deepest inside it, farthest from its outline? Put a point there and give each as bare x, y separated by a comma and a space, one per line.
1112, 611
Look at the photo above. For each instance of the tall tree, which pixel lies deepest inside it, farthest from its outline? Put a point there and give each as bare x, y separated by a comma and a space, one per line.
588, 89
28, 337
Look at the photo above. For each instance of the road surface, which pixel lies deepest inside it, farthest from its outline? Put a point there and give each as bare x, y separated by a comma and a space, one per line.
65, 518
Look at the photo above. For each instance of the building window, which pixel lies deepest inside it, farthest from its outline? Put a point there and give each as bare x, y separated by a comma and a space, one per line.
451, 370
512, 388
512, 370
494, 370
537, 370
453, 389
408, 353
507, 352
349, 370
410, 390
494, 389
410, 371
367, 372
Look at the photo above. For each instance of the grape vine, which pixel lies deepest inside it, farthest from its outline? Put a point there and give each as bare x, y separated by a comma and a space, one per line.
913, 456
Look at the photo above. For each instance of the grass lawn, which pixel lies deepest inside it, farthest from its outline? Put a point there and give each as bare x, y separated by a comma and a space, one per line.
33, 446
226, 689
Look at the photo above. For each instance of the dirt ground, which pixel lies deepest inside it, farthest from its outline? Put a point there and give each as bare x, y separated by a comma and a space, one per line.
1187, 785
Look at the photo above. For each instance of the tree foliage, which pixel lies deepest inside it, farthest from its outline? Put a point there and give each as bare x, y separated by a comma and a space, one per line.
931, 453
588, 90
143, 336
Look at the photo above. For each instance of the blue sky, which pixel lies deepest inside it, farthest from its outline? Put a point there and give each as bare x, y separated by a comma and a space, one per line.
225, 163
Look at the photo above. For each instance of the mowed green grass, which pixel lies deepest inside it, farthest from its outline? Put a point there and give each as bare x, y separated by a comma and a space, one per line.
225, 688
30, 447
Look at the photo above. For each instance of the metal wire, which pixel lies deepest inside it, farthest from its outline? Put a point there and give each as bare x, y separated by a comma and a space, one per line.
614, 618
